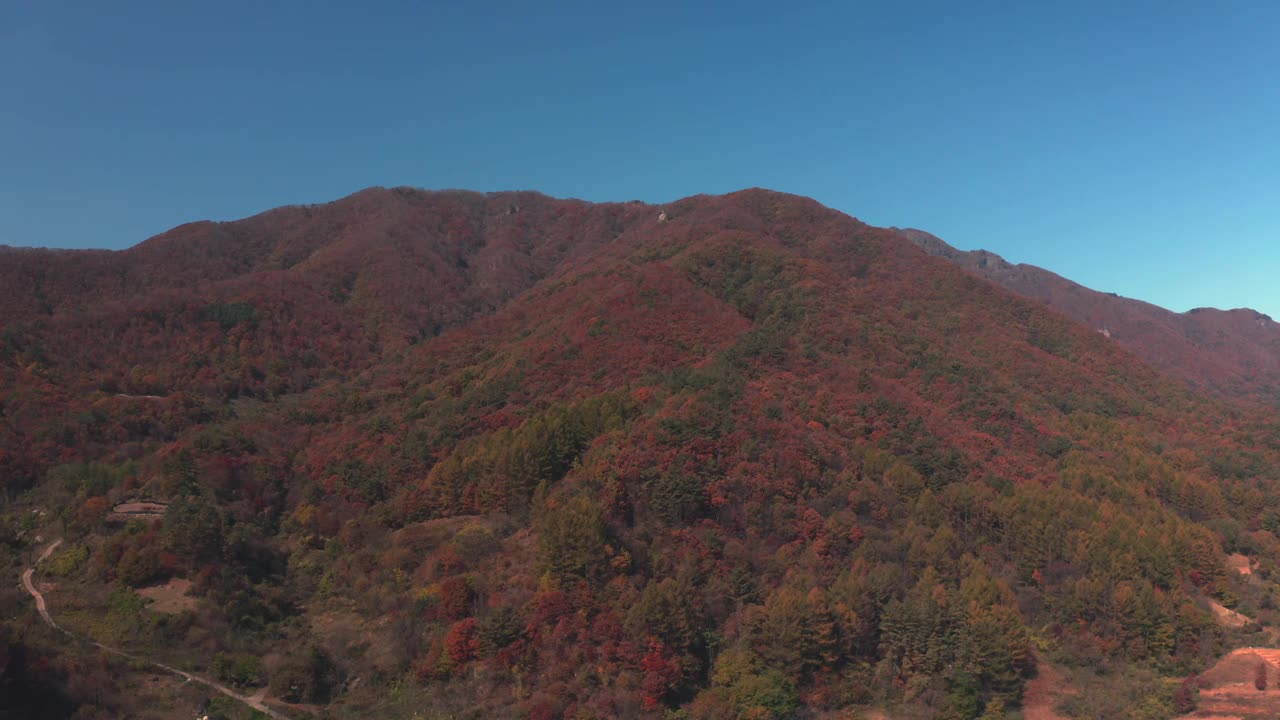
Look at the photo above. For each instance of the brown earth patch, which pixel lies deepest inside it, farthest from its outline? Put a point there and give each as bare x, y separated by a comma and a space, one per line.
1227, 690
1048, 688
343, 631
140, 507
137, 510
1228, 617
430, 534
1239, 563
171, 597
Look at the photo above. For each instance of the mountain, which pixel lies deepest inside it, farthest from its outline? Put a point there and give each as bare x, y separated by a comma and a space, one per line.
1232, 352
503, 455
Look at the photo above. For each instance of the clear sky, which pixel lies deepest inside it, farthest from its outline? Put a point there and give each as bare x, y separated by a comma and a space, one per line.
1135, 149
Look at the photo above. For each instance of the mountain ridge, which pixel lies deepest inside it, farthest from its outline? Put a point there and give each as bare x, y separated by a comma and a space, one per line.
941, 248
1235, 352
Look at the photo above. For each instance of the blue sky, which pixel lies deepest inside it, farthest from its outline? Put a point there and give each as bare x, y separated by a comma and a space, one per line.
1134, 149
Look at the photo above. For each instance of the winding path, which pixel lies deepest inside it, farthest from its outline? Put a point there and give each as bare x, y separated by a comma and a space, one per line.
31, 588
1044, 692
255, 701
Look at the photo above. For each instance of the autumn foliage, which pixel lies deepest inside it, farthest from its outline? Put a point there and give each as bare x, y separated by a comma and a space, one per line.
551, 459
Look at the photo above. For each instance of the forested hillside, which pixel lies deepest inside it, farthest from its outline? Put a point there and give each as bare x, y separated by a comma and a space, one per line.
464, 455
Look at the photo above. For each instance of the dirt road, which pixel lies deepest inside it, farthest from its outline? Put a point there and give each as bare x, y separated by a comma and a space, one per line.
254, 701
31, 588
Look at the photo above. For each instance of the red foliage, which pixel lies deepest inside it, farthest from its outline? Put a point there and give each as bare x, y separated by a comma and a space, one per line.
461, 642
549, 606
92, 511
544, 710
661, 674
795, 401
455, 597
1184, 698
856, 535
447, 561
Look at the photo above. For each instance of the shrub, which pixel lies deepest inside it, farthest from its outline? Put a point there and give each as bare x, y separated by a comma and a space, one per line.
239, 670
66, 562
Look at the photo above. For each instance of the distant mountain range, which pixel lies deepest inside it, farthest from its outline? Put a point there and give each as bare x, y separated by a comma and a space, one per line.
1233, 352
